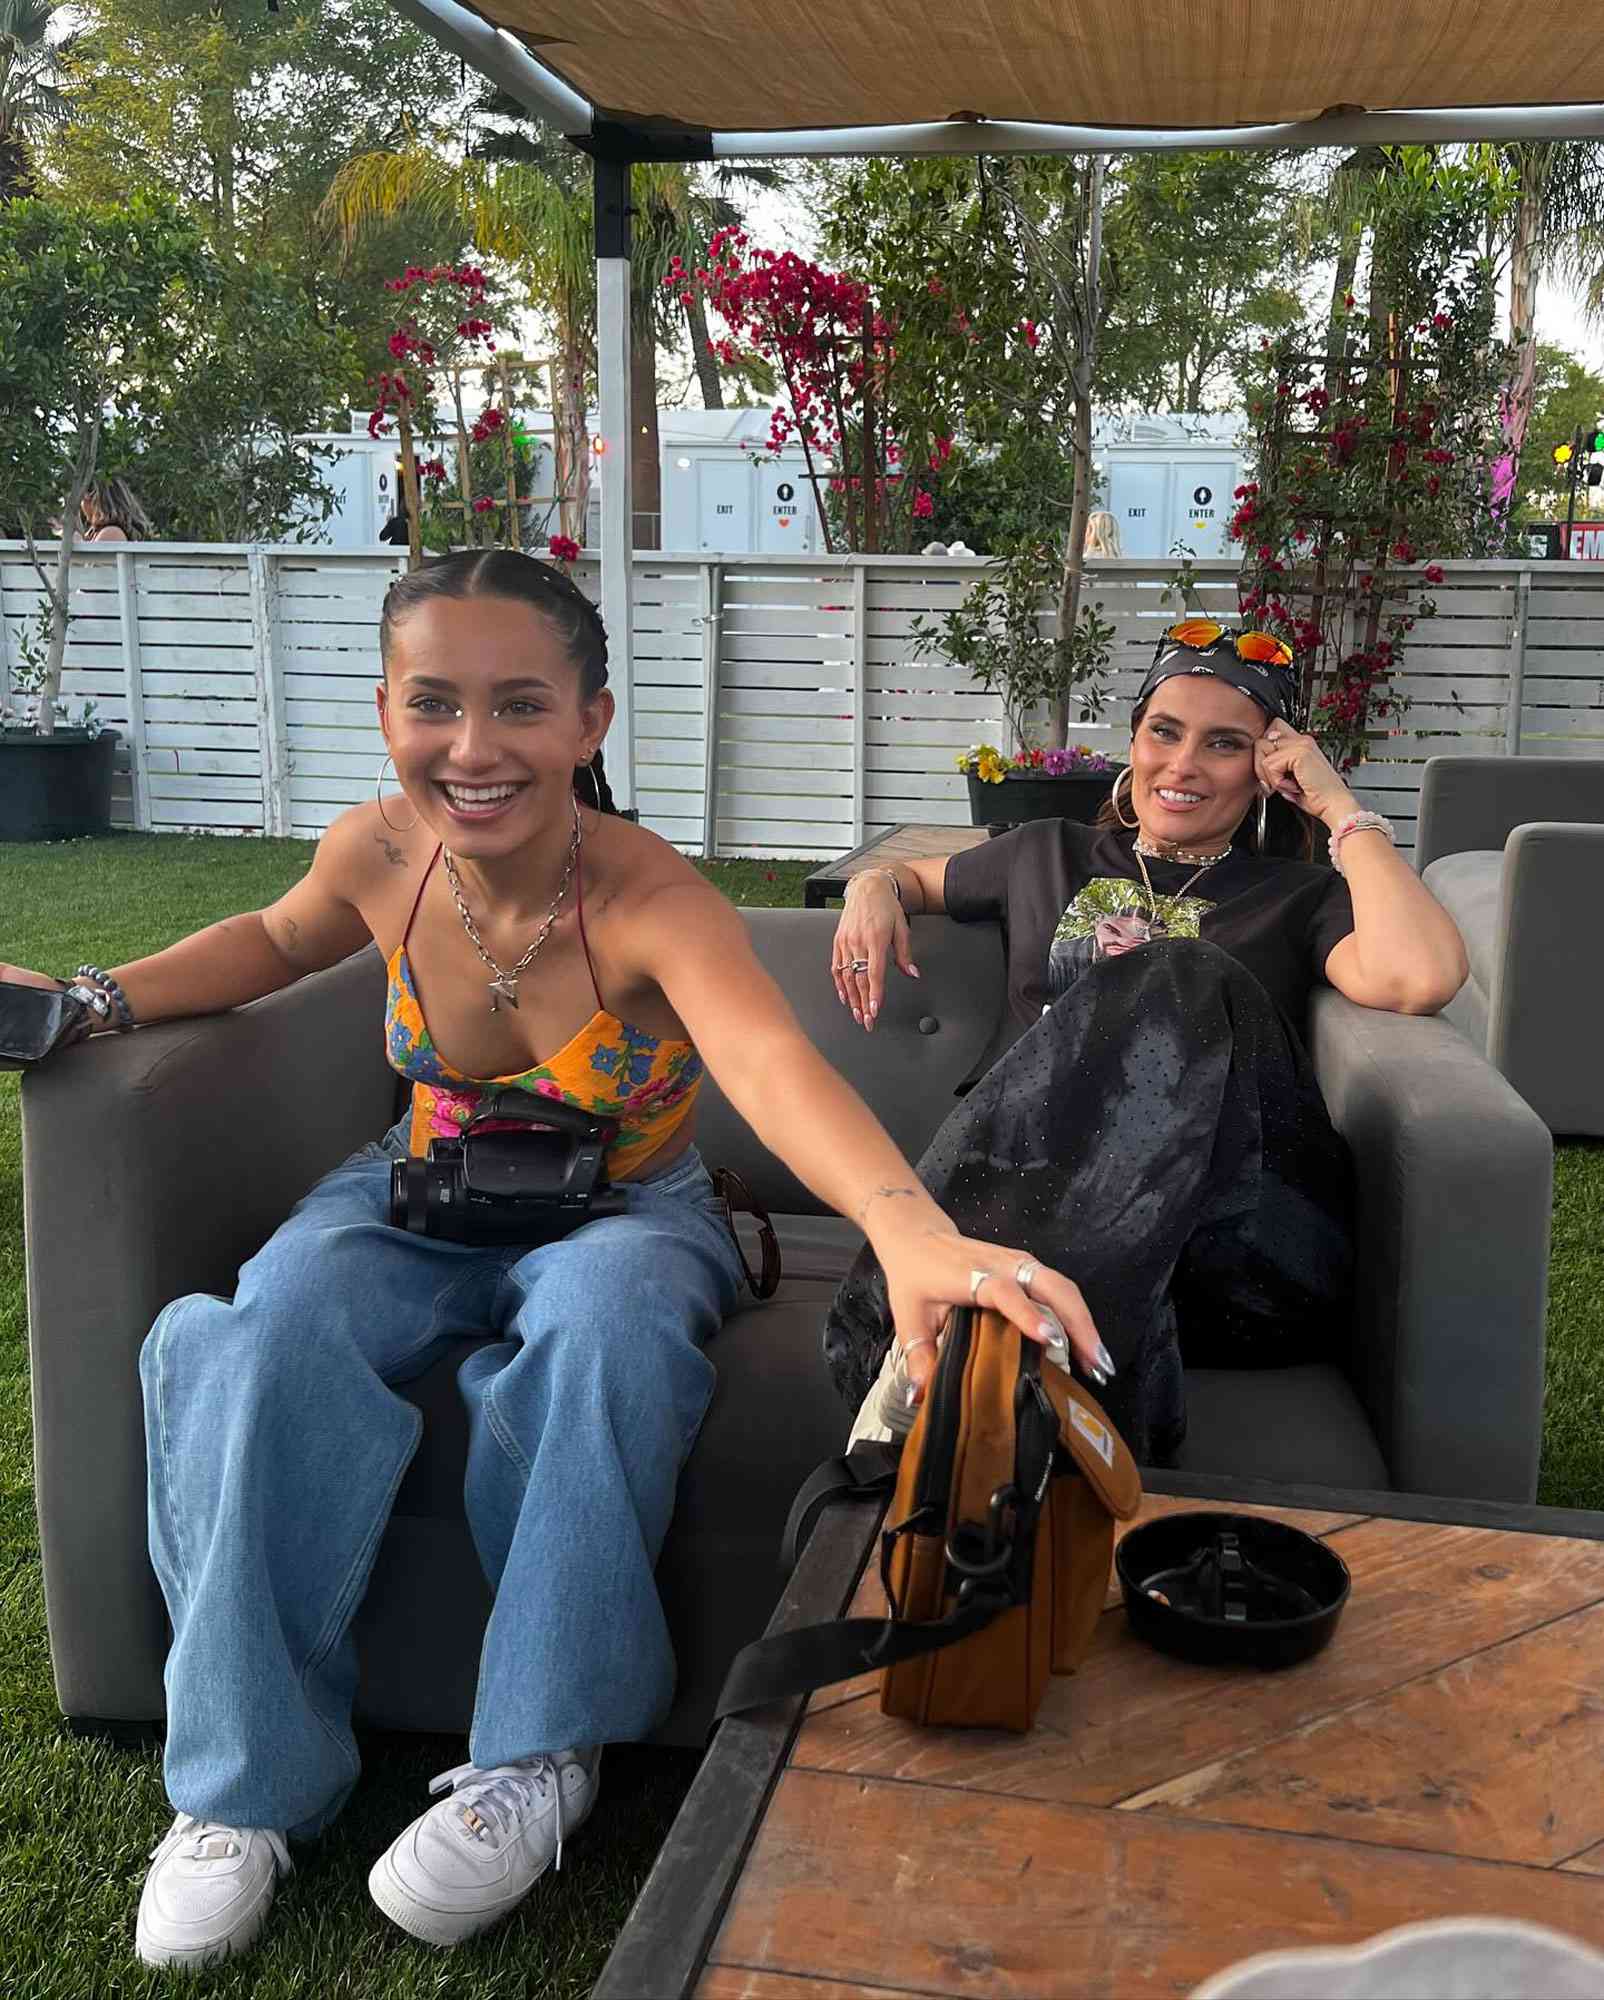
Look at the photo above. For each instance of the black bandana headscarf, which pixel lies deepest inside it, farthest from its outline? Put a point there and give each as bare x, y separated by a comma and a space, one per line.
1272, 687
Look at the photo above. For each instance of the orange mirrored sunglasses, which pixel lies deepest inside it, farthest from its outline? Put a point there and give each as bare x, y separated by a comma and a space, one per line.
1262, 648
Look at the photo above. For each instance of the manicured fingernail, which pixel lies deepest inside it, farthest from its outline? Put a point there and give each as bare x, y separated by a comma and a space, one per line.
1051, 1331
874, 1008
1098, 1377
1105, 1360
913, 972
857, 1016
910, 1396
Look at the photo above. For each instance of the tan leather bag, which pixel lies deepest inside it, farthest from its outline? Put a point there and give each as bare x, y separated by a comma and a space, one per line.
996, 1550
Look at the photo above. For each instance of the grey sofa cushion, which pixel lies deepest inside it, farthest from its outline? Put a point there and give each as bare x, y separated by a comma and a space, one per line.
1470, 887
1298, 1425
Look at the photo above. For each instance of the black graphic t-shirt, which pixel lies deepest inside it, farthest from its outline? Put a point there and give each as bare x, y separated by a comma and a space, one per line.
1067, 895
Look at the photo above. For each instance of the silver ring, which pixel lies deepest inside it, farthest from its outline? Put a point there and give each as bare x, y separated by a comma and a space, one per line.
858, 965
1024, 1274
976, 1280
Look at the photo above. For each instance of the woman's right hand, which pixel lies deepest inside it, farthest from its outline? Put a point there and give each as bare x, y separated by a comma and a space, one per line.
873, 929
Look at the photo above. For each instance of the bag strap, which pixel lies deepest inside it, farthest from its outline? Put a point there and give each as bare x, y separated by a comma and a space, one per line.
797, 1662
738, 1199
867, 1469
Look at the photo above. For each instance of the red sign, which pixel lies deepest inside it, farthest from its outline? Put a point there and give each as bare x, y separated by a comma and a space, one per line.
1584, 542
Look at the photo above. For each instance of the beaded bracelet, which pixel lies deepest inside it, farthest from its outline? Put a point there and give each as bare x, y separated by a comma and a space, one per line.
109, 986
1358, 822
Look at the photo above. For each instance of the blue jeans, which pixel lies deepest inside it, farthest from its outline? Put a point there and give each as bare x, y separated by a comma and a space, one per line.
277, 1442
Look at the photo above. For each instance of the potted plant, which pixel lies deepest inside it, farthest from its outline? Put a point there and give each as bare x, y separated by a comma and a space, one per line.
1037, 784
56, 783
996, 636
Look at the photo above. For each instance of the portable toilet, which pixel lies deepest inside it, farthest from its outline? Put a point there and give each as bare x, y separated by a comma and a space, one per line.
1170, 481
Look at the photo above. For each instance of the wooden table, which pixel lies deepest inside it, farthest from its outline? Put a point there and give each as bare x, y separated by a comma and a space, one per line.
902, 843
1444, 1756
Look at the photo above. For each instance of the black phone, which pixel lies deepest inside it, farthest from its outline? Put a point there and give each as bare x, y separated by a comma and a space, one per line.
33, 1021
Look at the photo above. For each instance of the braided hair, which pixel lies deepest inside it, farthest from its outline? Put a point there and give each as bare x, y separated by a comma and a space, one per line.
524, 580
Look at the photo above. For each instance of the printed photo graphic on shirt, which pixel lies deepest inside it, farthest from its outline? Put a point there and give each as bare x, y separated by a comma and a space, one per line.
1110, 916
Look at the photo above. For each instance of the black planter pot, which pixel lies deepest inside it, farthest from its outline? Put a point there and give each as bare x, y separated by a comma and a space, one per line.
1021, 796
55, 787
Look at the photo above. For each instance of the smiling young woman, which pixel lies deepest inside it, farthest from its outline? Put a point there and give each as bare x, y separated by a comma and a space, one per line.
531, 944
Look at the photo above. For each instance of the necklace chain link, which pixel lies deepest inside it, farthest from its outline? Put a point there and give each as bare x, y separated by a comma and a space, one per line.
504, 986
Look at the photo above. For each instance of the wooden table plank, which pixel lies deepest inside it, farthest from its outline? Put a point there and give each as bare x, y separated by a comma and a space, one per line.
1500, 1756
865, 1883
1590, 1863
1424, 1595
731, 1982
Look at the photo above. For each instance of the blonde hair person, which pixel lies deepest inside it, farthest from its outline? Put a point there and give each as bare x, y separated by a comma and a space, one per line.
111, 511
1102, 534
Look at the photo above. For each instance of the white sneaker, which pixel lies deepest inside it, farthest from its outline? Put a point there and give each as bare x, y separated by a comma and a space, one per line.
209, 1892
469, 1861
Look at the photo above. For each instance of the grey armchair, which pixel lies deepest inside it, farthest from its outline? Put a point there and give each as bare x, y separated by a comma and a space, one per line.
154, 1163
1513, 847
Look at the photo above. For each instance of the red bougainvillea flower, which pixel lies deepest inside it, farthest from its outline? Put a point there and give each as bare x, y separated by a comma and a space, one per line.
563, 549
1434, 572
923, 506
1032, 338
483, 504
1403, 551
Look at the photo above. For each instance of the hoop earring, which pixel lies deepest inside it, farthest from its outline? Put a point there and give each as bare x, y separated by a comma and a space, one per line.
1264, 818
379, 795
1130, 825
595, 782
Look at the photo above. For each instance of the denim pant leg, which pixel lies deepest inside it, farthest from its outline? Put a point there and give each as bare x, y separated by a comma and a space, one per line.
275, 1451
580, 1422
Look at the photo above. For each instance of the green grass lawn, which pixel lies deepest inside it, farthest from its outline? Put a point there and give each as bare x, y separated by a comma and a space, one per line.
77, 1818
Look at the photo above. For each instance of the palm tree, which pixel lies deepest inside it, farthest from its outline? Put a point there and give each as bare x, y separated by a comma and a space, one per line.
31, 100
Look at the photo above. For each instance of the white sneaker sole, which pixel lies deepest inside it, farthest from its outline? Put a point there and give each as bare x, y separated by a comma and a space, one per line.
196, 1957
426, 1921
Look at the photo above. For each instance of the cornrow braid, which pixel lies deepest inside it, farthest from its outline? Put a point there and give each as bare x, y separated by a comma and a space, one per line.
522, 579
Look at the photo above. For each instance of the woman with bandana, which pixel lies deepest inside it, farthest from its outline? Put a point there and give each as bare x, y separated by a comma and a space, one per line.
1147, 1118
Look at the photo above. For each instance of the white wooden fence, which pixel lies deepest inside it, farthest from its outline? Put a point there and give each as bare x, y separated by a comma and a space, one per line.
777, 710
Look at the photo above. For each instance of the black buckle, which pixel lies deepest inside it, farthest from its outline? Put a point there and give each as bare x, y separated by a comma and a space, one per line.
978, 1553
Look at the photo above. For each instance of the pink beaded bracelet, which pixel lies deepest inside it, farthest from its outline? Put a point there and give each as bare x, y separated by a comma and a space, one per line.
1357, 823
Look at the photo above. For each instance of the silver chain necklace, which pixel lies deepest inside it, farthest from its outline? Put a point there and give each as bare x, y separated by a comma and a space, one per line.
1155, 925
504, 986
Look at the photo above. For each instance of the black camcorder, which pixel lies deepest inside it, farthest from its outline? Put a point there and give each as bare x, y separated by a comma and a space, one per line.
531, 1178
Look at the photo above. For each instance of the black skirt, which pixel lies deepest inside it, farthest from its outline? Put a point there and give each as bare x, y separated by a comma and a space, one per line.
1159, 1137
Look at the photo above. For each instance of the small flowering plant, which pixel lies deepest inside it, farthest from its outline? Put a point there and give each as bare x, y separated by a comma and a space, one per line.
991, 766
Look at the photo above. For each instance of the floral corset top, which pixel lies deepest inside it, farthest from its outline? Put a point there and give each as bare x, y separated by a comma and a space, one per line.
645, 1084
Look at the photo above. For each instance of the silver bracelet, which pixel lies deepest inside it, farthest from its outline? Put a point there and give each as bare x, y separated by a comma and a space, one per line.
109, 986
890, 874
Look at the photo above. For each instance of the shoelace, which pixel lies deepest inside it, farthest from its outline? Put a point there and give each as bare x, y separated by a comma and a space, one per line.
501, 1795
212, 1840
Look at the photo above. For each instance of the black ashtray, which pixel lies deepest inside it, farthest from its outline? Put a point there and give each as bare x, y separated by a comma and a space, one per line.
1231, 1590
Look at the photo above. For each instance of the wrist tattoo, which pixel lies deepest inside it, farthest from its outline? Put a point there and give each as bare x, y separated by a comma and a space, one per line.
889, 1192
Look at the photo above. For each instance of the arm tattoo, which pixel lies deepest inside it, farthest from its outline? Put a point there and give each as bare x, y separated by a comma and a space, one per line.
889, 1192
392, 853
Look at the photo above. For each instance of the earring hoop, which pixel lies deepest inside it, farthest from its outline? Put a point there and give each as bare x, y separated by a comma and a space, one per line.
1264, 818
590, 766
1130, 825
379, 795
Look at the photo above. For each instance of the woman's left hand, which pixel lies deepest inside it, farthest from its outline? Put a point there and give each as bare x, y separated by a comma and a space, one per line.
1295, 766
929, 1271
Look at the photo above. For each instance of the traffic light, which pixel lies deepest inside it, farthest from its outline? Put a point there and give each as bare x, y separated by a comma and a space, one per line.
1593, 440
1562, 454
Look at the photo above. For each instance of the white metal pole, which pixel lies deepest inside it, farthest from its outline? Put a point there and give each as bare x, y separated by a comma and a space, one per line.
612, 446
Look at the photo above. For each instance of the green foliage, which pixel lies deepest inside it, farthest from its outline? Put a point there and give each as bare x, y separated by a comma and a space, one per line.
219, 457
85, 325
1373, 457
1569, 395
997, 636
242, 116
1204, 256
